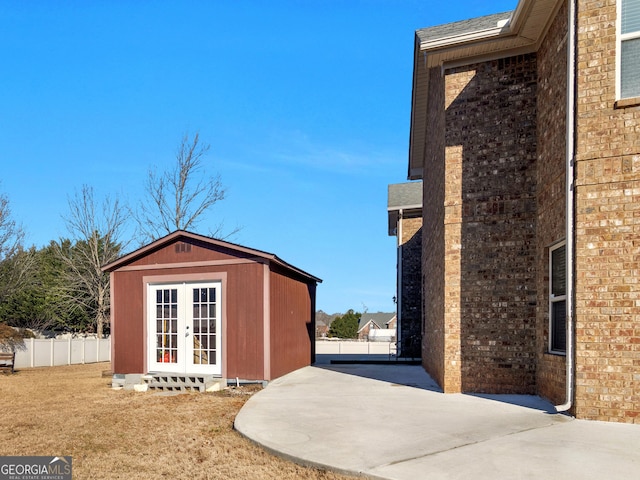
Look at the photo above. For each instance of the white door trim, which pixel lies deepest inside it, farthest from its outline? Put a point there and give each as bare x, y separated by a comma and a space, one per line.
154, 280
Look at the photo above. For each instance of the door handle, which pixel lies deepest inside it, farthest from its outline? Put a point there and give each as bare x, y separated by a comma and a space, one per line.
186, 333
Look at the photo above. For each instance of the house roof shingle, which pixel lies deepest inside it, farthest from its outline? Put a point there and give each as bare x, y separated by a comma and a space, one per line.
380, 319
462, 27
408, 194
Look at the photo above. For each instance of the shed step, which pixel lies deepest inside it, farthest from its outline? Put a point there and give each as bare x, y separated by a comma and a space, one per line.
182, 383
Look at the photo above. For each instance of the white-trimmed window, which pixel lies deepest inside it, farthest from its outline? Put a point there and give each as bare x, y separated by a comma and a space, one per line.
628, 49
558, 298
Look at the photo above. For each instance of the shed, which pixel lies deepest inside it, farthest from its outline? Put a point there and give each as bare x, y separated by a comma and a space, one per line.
188, 304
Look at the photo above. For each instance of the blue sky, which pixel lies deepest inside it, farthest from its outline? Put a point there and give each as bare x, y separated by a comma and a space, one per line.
305, 104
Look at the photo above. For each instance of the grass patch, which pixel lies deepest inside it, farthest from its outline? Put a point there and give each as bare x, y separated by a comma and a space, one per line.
113, 434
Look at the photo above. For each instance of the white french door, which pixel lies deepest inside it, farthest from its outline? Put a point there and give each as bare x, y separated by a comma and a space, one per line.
183, 325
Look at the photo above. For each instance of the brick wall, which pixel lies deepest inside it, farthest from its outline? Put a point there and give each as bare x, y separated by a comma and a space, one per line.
495, 154
551, 194
443, 366
411, 282
607, 229
480, 212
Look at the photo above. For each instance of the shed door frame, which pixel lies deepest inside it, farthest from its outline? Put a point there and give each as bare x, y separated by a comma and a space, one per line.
213, 277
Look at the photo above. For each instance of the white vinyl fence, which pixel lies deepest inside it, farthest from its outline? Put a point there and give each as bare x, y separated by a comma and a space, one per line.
52, 352
346, 347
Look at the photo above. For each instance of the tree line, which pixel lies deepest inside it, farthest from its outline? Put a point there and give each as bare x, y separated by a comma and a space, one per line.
61, 286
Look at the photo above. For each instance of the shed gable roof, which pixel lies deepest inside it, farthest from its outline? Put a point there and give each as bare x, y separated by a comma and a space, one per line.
179, 235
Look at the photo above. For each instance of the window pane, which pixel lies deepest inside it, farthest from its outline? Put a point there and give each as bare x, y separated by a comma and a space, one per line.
158, 296
166, 296
630, 68
558, 271
630, 16
212, 295
559, 326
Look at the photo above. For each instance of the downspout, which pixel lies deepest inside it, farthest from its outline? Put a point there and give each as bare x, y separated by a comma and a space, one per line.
570, 198
399, 283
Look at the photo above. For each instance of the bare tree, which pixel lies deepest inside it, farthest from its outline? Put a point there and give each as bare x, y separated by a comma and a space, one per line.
178, 198
15, 262
97, 233
11, 234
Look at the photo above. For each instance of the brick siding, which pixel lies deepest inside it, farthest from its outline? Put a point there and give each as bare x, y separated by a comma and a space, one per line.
607, 229
410, 294
494, 203
551, 201
439, 357
489, 223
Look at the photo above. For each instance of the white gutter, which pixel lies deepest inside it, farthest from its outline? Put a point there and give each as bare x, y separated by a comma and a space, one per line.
570, 198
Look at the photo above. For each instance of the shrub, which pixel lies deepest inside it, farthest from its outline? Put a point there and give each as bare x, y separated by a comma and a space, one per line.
12, 339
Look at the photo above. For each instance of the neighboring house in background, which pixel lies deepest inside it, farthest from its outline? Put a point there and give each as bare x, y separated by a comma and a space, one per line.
322, 329
376, 321
404, 210
188, 304
525, 129
323, 323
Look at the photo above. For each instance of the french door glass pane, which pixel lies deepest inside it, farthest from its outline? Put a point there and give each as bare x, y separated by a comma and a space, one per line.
204, 311
167, 325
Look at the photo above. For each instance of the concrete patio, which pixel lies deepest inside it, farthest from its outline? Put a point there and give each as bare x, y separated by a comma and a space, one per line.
393, 422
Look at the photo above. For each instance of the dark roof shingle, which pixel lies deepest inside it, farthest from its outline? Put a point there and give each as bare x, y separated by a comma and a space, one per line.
462, 27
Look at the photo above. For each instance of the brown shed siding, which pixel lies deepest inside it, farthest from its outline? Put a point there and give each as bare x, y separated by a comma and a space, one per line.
127, 329
245, 318
242, 291
248, 288
187, 251
292, 323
